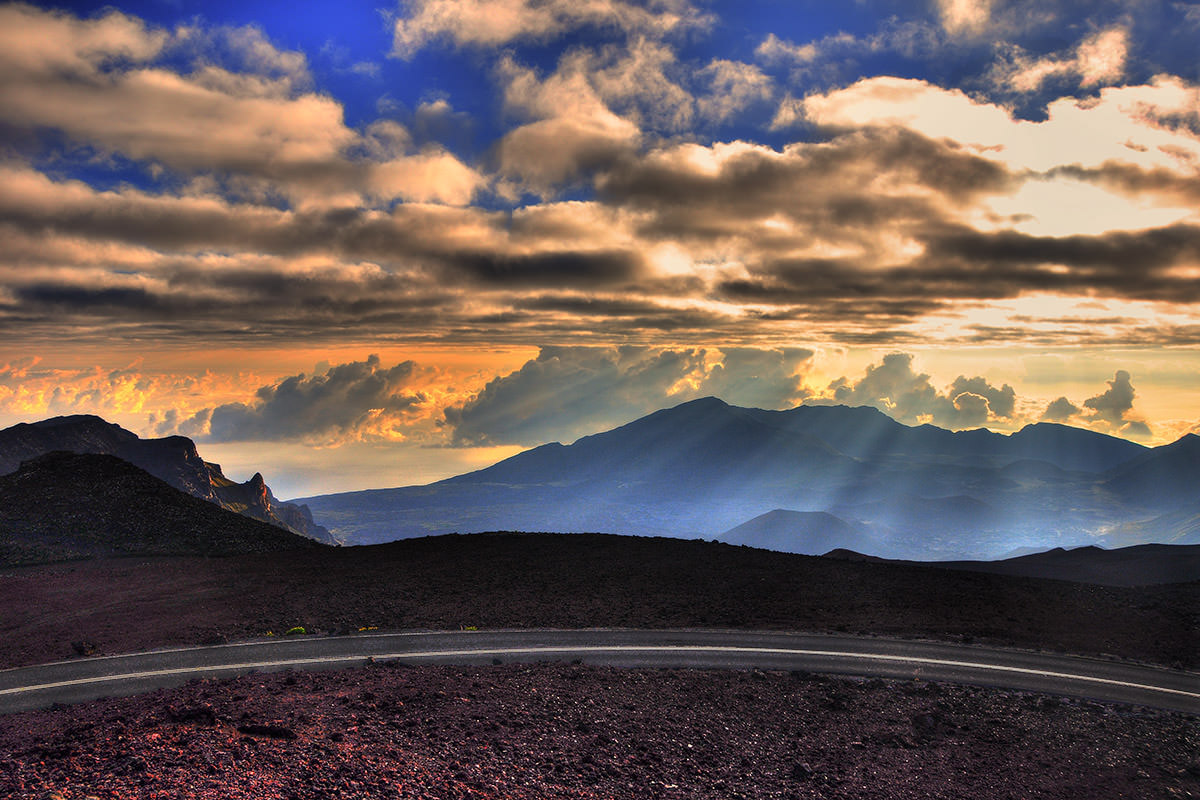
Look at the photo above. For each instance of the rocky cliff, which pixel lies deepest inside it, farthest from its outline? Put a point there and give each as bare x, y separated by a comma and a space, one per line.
173, 459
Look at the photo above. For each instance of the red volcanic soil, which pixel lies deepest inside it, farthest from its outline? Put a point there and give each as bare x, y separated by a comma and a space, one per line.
571, 581
574, 731
503, 581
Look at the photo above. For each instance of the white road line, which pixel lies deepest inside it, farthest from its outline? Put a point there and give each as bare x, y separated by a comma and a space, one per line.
510, 651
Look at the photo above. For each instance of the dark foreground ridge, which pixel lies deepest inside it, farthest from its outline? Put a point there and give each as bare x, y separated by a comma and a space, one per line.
559, 731
1139, 565
494, 581
64, 506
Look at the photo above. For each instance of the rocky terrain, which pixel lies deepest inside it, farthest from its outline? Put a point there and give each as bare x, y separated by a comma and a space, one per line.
173, 459
572, 581
522, 732
574, 730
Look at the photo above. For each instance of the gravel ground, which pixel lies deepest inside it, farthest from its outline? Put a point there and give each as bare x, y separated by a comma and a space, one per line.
571, 581
577, 731
572, 730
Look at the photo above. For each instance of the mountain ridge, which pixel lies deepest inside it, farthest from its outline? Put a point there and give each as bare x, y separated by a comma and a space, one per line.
1136, 565
704, 467
173, 459
65, 506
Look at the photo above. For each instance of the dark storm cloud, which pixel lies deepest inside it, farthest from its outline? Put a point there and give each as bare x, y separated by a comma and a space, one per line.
247, 294
569, 391
893, 386
406, 237
347, 401
801, 182
1131, 179
562, 268
1118, 252
961, 263
591, 305
89, 298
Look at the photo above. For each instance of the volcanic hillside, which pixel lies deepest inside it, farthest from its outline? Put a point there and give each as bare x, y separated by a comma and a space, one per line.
174, 459
63, 506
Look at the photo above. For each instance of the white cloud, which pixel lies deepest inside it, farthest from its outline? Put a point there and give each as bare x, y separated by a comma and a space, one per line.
734, 86
965, 16
1098, 60
494, 23
574, 131
895, 388
774, 50
253, 125
1128, 125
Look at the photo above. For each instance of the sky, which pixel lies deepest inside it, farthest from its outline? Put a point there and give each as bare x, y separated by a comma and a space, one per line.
358, 245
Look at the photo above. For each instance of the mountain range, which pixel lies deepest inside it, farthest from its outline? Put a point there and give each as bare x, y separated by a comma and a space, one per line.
809, 480
173, 459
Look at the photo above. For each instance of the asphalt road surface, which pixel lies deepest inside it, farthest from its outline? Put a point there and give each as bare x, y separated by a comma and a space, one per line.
89, 679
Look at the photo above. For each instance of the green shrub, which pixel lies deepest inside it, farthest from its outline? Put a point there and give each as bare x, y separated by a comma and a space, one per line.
296, 631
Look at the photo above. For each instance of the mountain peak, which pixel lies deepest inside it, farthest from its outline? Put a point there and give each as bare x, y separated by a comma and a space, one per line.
73, 419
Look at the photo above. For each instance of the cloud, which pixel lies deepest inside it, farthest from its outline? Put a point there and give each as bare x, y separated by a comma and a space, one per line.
758, 377
904, 200
1060, 410
494, 23
1110, 411
895, 388
1136, 429
861, 236
30, 389
241, 112
1112, 406
573, 132
734, 86
567, 392
965, 16
641, 80
357, 401
992, 20
1100, 59
1121, 123
774, 50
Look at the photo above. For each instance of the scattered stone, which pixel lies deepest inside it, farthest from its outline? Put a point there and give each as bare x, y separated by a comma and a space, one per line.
83, 648
802, 772
268, 731
200, 715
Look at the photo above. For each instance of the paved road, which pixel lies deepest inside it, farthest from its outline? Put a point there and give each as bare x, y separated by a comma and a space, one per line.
89, 679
